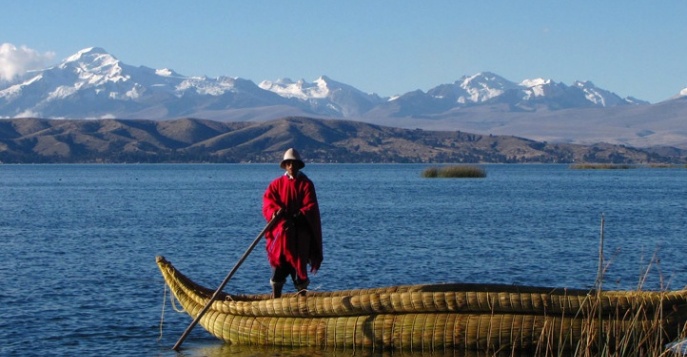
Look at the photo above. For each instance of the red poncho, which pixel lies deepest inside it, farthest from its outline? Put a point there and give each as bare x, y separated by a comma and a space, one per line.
302, 247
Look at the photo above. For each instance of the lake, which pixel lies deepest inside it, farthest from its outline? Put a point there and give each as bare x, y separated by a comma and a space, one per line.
78, 242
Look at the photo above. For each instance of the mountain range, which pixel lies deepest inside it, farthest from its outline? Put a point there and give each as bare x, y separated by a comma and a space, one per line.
93, 84
28, 140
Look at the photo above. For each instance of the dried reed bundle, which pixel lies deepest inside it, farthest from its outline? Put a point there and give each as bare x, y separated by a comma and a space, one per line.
436, 317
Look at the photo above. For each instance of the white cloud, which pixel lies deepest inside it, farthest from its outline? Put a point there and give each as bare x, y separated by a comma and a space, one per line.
16, 61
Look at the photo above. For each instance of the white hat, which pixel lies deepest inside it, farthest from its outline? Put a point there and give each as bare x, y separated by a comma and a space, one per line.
292, 154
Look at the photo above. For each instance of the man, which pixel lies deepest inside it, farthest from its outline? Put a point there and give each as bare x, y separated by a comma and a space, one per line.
296, 239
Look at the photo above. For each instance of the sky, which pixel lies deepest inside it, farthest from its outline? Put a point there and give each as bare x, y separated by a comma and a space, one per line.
631, 47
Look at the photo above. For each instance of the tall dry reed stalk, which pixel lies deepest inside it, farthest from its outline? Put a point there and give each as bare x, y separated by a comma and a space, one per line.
642, 330
638, 333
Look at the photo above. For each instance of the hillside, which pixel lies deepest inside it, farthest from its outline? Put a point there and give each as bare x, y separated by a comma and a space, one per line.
319, 140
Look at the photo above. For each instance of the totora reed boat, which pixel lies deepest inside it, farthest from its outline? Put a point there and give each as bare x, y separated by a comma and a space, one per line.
440, 317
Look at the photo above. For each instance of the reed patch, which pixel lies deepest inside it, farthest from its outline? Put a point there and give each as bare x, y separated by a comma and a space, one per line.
456, 171
593, 166
605, 166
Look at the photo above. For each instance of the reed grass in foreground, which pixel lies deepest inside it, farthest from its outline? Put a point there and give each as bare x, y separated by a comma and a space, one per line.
461, 171
643, 330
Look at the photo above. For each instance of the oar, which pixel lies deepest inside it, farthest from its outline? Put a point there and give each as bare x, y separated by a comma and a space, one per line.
226, 280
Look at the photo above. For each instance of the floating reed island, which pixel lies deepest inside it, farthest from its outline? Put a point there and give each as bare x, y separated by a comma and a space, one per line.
494, 319
456, 171
596, 166
593, 166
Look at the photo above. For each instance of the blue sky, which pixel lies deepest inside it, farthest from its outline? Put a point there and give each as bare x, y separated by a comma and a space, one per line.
633, 48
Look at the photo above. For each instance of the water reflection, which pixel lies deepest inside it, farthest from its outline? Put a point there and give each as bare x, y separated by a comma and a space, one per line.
223, 350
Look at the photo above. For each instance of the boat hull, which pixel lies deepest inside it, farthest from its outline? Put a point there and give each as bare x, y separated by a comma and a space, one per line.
436, 317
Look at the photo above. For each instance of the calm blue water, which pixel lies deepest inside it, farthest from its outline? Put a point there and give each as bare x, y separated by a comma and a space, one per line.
78, 242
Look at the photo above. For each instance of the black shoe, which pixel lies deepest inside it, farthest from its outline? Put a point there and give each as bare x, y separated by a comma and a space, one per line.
302, 287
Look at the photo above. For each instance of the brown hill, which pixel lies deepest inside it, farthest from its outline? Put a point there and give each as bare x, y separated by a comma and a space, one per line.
319, 140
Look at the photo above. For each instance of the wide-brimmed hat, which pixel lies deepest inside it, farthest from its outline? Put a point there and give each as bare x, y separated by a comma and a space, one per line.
292, 155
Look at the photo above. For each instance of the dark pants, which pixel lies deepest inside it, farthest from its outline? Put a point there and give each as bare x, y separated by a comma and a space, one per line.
284, 270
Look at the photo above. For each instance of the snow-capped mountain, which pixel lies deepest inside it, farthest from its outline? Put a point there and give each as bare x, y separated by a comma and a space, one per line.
325, 96
487, 87
94, 84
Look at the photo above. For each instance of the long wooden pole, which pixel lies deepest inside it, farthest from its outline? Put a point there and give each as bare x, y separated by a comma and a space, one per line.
224, 282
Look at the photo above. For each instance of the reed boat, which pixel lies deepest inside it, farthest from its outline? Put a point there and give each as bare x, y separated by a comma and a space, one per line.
438, 317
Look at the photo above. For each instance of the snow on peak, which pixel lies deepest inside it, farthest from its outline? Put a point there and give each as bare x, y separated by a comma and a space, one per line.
484, 79
281, 81
483, 86
535, 82
596, 95
205, 86
683, 93
301, 89
95, 66
164, 72
537, 87
86, 53
322, 81
584, 84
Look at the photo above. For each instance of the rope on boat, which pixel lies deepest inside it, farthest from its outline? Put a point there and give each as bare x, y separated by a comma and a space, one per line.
162, 316
173, 301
